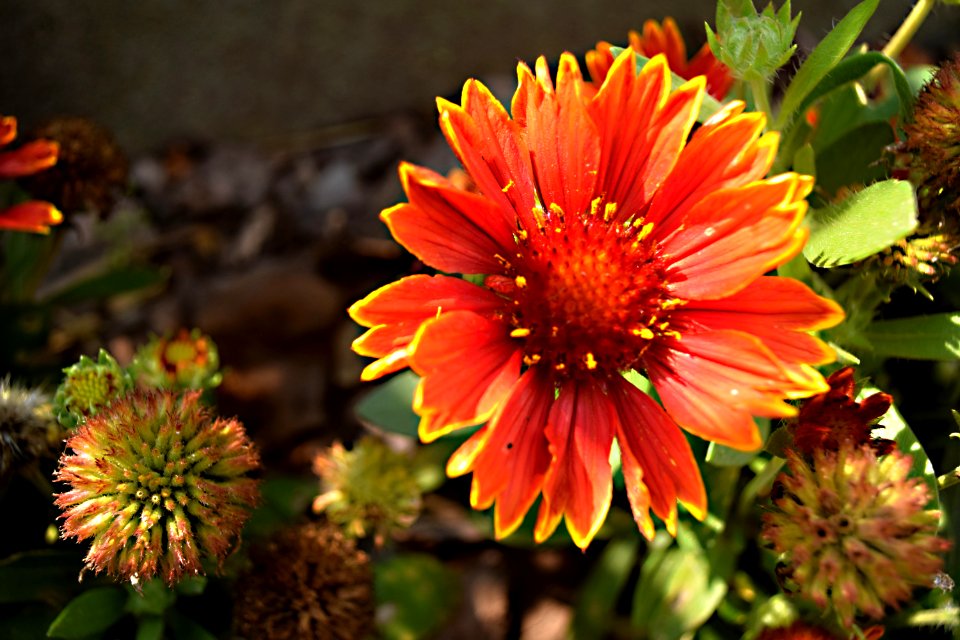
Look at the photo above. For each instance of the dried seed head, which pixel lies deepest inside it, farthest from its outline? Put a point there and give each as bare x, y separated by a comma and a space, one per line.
158, 484
306, 582
28, 431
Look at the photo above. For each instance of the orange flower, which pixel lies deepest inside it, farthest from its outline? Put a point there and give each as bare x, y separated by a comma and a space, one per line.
668, 41
612, 245
33, 216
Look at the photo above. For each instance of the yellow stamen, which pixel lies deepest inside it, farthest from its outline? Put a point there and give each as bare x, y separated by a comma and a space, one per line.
590, 361
507, 186
643, 332
520, 333
608, 210
521, 281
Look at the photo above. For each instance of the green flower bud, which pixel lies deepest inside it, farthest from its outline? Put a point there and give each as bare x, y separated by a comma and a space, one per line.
188, 360
88, 386
158, 484
753, 45
370, 488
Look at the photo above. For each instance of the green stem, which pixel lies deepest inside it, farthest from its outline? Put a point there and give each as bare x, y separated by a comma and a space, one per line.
902, 37
948, 480
759, 485
761, 98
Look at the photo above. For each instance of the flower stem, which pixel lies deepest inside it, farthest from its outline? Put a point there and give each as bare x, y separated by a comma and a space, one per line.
902, 37
948, 480
761, 98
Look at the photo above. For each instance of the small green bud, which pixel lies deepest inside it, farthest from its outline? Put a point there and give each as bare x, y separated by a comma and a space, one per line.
753, 45
88, 386
187, 360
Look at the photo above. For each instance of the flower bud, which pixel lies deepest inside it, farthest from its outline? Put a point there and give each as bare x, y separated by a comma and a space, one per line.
159, 484
88, 386
753, 45
188, 360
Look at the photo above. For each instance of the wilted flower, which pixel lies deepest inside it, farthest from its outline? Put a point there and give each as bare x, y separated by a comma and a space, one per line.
612, 245
91, 168
27, 428
853, 530
827, 420
187, 360
306, 582
668, 41
88, 386
752, 44
370, 487
158, 484
33, 216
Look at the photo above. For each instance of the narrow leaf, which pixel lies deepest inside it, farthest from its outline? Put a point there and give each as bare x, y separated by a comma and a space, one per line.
724, 456
823, 58
598, 597
91, 612
389, 406
933, 337
865, 223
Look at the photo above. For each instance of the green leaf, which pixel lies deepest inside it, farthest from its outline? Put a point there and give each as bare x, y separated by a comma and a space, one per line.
91, 612
39, 576
855, 67
853, 159
724, 456
708, 107
390, 405
823, 58
598, 596
153, 598
186, 629
933, 337
894, 427
150, 628
865, 223
415, 594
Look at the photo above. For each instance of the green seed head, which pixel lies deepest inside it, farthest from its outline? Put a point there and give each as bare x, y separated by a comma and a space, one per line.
158, 484
88, 386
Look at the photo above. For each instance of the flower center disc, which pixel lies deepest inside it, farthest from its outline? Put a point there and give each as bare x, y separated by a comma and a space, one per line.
589, 294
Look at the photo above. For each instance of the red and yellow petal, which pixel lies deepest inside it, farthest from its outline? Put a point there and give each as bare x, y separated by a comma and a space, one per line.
639, 152
33, 217
732, 237
713, 383
509, 457
396, 311
29, 159
451, 395
658, 465
578, 485
8, 130
448, 228
491, 149
776, 310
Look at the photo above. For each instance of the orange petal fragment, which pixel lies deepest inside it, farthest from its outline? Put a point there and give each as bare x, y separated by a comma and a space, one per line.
33, 217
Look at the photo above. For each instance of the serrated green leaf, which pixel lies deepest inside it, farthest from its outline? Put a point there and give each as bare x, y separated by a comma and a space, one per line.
91, 612
390, 405
823, 58
894, 427
933, 337
598, 596
724, 456
708, 107
864, 224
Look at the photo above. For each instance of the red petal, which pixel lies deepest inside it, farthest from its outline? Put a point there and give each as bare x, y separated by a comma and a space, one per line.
658, 465
397, 310
448, 228
776, 310
562, 139
642, 129
712, 383
732, 237
723, 153
8, 129
33, 216
509, 456
29, 159
468, 363
491, 149
578, 484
